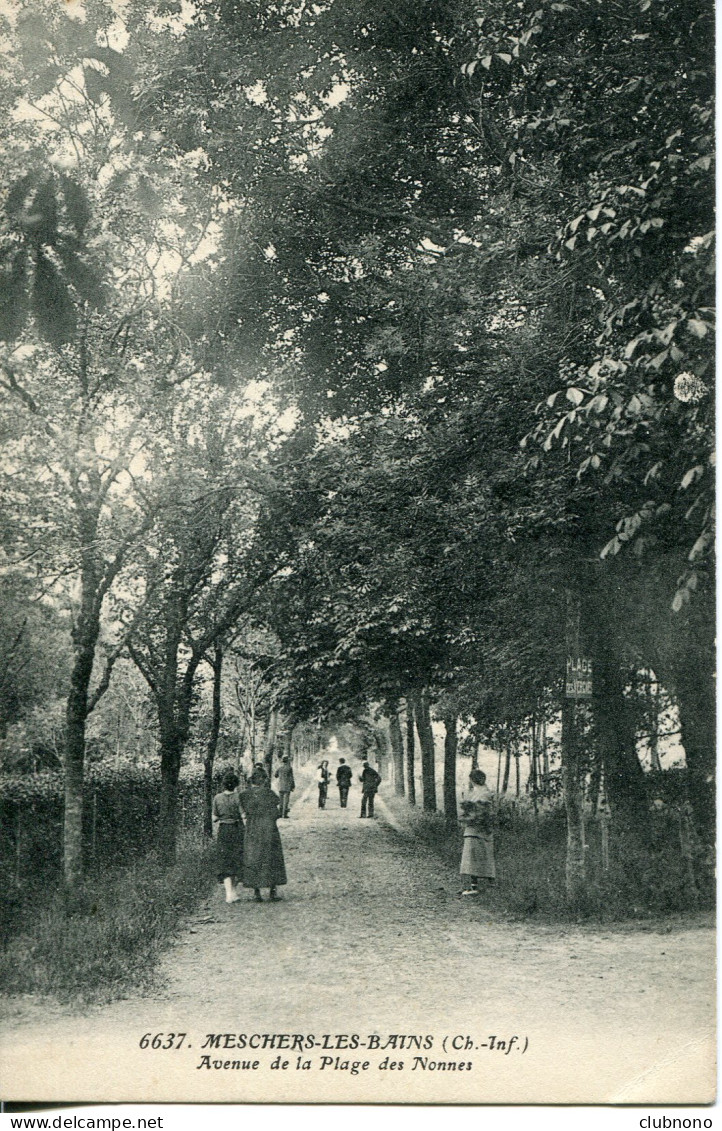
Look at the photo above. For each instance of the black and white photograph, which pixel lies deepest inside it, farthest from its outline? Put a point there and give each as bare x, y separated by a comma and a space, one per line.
357, 594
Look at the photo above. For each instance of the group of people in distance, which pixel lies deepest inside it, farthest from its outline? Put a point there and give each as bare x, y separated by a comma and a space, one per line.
248, 849
370, 781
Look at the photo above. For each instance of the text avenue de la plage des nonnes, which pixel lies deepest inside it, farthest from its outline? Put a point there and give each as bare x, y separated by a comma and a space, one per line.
337, 1052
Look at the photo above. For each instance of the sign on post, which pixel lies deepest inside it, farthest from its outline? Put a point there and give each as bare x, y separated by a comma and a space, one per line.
579, 677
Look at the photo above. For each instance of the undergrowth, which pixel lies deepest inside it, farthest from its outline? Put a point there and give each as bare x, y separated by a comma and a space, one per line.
530, 864
107, 937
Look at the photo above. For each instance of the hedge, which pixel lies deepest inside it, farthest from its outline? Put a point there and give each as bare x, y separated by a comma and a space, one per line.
120, 825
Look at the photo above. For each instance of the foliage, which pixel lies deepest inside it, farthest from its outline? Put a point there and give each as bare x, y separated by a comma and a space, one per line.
35, 742
84, 406
412, 565
120, 827
108, 938
33, 644
622, 100
120, 817
530, 859
469, 249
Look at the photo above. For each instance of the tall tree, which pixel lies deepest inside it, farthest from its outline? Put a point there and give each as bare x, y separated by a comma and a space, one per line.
397, 751
197, 576
451, 742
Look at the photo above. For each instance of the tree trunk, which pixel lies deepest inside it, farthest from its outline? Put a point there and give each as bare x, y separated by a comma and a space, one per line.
287, 739
426, 742
76, 717
684, 661
533, 782
576, 867
410, 753
614, 730
270, 745
241, 748
208, 797
623, 774
210, 757
652, 690
381, 754
397, 752
74, 773
694, 692
170, 760
595, 786
450, 749
173, 703
174, 706
252, 734
507, 768
571, 769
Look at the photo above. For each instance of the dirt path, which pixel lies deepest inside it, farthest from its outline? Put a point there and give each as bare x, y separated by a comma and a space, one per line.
371, 939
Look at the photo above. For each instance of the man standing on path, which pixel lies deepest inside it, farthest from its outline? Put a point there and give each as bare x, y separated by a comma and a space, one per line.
286, 784
344, 774
370, 782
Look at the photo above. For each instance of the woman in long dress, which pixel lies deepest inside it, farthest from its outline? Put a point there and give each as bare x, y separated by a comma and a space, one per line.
477, 817
323, 777
228, 836
263, 864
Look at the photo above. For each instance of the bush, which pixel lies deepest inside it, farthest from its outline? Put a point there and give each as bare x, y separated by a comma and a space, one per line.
531, 866
107, 937
120, 822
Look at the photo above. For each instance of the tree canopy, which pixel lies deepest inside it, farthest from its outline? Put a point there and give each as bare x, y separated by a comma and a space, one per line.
383, 328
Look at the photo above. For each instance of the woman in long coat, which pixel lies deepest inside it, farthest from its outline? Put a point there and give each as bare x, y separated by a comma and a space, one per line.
263, 865
228, 836
323, 777
477, 817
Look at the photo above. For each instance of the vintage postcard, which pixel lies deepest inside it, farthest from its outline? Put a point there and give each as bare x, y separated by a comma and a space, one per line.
357, 716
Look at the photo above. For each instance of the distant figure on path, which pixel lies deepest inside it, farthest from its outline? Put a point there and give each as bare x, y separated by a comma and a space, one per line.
228, 836
286, 784
344, 774
323, 777
476, 813
370, 782
263, 865
259, 774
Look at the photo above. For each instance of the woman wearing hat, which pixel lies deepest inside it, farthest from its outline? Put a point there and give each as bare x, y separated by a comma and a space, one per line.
228, 835
323, 777
263, 864
476, 813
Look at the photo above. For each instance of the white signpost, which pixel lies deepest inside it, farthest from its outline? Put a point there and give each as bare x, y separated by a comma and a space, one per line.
579, 677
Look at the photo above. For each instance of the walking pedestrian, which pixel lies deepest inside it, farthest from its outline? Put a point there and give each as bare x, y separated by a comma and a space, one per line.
286, 784
370, 782
344, 774
228, 836
259, 774
323, 777
476, 813
263, 863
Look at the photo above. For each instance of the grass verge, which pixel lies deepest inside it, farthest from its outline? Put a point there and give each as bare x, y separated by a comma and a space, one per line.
530, 862
106, 938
